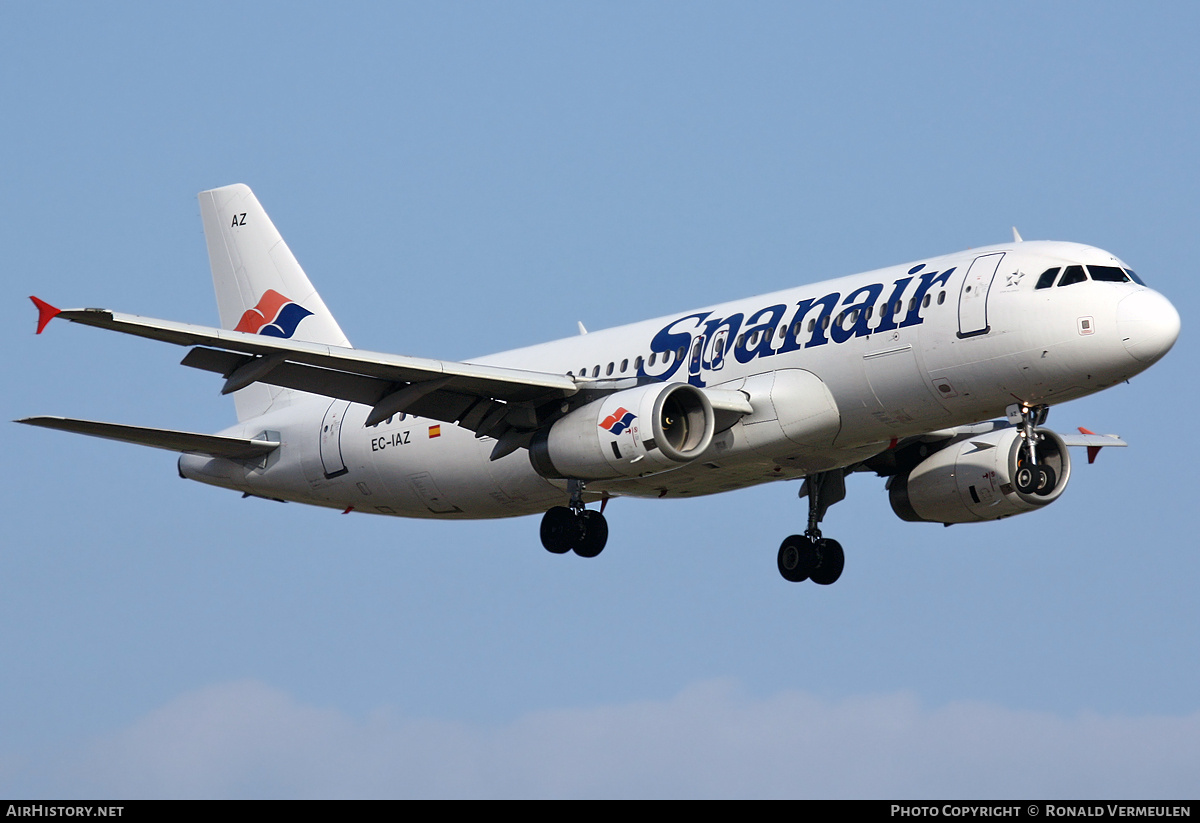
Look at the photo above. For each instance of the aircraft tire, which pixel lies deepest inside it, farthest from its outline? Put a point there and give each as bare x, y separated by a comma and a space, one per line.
832, 561
593, 529
1046, 480
560, 528
1026, 479
796, 558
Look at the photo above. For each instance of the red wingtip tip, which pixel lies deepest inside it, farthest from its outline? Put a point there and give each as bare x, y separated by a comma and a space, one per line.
1082, 430
46, 312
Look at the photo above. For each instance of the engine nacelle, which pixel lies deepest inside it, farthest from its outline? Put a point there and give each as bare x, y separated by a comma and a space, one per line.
632, 433
974, 479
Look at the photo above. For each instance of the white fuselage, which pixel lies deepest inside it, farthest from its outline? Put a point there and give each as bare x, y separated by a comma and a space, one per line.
835, 371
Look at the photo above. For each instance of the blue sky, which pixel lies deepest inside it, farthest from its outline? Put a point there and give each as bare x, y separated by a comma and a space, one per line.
465, 178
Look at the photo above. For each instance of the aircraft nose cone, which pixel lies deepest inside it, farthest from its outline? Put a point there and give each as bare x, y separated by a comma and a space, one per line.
1148, 325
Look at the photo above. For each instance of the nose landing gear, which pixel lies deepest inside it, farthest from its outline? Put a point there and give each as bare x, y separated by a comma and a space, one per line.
567, 528
1031, 477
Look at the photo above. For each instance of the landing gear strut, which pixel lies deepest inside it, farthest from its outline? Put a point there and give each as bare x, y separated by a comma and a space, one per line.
1031, 477
572, 527
810, 556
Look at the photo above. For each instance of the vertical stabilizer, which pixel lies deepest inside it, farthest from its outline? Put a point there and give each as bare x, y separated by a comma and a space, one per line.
260, 287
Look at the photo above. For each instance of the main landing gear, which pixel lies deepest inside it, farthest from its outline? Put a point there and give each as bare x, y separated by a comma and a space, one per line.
810, 556
1031, 477
567, 528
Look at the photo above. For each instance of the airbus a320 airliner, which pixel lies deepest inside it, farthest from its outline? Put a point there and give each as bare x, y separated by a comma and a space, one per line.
901, 371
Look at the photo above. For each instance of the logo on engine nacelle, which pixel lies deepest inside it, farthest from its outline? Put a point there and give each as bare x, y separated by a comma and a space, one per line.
619, 421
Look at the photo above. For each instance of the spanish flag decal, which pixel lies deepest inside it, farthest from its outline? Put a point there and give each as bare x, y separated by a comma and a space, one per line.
435, 431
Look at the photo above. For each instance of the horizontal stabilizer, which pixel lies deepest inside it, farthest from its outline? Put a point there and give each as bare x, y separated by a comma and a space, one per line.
213, 445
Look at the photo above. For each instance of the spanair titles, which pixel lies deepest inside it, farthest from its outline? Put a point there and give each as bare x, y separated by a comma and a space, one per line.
701, 341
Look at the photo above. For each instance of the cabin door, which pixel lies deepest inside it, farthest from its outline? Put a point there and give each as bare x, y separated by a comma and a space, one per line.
332, 462
972, 300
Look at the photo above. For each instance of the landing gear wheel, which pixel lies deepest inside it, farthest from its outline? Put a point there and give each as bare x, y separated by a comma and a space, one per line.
1046, 480
796, 558
830, 561
560, 528
1032, 477
593, 533
1026, 479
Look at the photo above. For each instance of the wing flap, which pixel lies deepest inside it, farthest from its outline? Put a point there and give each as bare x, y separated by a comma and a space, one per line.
342, 385
445, 405
213, 445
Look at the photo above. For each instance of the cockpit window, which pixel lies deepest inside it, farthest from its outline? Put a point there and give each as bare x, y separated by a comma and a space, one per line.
1136, 279
1047, 278
1072, 275
1108, 274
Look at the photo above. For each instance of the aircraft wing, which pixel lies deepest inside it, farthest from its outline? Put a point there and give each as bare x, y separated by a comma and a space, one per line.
1092, 441
884, 463
489, 400
214, 445
1085, 438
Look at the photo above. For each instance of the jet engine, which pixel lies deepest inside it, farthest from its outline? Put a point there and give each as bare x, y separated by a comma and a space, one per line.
631, 433
983, 477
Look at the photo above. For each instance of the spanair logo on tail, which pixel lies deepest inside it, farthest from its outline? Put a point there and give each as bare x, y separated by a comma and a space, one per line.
274, 316
618, 421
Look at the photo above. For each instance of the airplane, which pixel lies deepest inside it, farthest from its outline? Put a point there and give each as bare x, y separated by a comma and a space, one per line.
902, 371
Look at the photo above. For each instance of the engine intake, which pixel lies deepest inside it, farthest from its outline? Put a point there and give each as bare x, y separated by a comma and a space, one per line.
976, 479
632, 433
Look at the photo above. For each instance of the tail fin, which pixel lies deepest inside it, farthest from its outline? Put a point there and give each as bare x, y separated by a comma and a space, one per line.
260, 287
